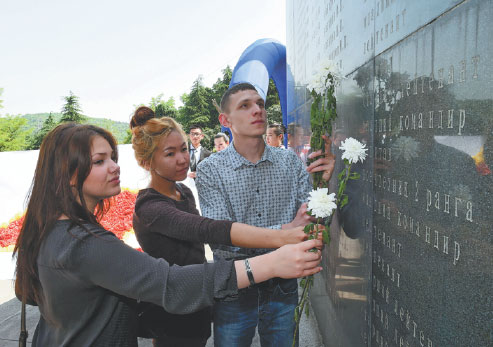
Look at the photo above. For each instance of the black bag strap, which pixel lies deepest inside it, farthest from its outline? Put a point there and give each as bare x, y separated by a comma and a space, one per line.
24, 334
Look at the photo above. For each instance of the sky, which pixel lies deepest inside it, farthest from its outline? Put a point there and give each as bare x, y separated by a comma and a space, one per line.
117, 54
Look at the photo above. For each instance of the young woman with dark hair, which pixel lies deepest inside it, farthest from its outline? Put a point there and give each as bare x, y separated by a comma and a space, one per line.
168, 225
85, 280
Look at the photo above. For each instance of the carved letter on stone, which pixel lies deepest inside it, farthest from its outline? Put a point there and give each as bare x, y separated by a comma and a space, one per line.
456, 252
462, 120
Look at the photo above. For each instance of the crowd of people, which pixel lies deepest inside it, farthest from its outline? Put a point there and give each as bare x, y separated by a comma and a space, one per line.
92, 289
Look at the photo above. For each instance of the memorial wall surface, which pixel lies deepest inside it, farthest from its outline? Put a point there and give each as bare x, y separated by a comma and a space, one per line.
411, 257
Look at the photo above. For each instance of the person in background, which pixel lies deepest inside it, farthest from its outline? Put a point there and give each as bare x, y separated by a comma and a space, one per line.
85, 280
221, 141
296, 142
168, 225
263, 186
275, 135
197, 152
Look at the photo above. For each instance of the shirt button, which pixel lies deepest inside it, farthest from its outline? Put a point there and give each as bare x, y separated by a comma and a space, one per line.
260, 215
258, 191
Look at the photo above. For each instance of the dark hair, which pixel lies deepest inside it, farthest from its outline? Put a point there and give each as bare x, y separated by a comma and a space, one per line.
64, 163
195, 126
233, 90
222, 136
279, 129
141, 115
147, 131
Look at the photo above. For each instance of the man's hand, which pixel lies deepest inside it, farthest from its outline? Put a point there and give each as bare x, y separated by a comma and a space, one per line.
192, 174
301, 219
325, 163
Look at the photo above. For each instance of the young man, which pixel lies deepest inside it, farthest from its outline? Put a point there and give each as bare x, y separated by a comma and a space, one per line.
262, 186
221, 141
197, 152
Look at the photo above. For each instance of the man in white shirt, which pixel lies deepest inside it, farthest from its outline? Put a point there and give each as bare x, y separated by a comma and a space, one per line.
197, 152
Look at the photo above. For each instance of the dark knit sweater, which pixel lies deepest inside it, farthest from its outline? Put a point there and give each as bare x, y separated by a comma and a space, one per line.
174, 230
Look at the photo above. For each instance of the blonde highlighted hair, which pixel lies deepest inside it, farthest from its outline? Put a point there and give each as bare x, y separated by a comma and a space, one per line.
147, 132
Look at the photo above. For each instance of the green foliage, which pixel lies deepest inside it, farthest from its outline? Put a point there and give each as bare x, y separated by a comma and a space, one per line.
322, 114
71, 111
128, 137
163, 108
198, 107
272, 95
37, 138
1, 101
274, 114
220, 87
13, 135
118, 129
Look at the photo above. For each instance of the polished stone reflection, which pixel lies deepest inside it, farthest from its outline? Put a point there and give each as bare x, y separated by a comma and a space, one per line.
432, 245
411, 258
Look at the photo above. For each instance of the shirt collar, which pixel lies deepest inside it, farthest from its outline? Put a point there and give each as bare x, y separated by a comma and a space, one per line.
237, 160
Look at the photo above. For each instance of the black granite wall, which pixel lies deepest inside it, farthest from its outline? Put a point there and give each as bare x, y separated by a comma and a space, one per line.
411, 259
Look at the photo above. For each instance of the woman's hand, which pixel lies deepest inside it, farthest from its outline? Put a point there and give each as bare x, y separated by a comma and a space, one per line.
297, 235
326, 163
289, 261
293, 261
301, 219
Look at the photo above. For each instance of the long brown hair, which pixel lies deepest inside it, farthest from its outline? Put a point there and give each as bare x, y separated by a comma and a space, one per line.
64, 163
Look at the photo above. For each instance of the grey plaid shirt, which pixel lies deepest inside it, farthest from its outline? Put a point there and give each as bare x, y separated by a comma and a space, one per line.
265, 194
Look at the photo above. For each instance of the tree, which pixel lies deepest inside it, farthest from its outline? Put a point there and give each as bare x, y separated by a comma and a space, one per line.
13, 136
163, 108
222, 84
274, 114
196, 106
1, 101
128, 137
272, 95
71, 111
37, 138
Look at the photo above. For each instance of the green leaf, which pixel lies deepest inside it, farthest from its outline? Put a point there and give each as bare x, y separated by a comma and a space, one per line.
355, 176
325, 236
306, 229
341, 175
344, 200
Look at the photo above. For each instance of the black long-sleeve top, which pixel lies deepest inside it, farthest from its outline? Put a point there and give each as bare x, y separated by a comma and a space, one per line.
174, 230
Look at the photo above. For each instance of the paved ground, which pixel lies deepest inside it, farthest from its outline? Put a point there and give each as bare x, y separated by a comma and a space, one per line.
10, 326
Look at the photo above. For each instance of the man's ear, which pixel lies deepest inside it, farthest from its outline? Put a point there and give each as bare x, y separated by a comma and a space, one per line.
224, 120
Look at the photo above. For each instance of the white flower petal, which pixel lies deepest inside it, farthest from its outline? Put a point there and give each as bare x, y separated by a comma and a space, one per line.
320, 203
353, 150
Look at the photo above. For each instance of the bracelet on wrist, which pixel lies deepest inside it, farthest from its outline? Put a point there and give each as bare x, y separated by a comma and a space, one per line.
249, 273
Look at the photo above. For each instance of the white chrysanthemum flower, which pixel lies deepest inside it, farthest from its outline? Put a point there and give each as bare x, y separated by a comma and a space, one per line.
353, 150
318, 81
406, 148
320, 203
330, 66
